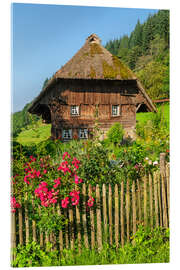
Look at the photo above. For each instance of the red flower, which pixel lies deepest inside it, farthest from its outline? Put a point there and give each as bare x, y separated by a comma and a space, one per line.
14, 205
65, 202
90, 202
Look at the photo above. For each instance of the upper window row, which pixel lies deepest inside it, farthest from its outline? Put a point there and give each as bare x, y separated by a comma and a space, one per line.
115, 110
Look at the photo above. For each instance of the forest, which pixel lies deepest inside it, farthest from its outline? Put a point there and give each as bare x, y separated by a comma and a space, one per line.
146, 52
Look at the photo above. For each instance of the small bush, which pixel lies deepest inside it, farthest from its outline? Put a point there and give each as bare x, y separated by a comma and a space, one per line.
115, 134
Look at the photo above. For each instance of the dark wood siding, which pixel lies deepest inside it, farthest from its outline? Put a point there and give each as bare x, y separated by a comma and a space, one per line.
95, 100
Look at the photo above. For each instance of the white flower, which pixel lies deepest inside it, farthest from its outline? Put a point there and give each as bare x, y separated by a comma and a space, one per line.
150, 162
146, 158
155, 163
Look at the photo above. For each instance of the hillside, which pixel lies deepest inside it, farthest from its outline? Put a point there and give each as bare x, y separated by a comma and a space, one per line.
146, 52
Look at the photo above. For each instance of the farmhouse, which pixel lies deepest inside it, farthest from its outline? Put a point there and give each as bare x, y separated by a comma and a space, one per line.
94, 84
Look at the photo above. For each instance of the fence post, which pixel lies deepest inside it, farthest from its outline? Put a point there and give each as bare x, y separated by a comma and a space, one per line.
110, 214
71, 221
164, 188
139, 201
134, 207
92, 221
159, 198
98, 214
41, 233
145, 200
104, 212
168, 187
60, 231
156, 198
151, 200
66, 229
127, 209
20, 218
122, 213
84, 217
116, 202
78, 226
33, 224
26, 222
13, 235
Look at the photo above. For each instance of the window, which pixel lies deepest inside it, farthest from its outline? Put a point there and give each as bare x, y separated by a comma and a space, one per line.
67, 134
74, 110
115, 110
83, 133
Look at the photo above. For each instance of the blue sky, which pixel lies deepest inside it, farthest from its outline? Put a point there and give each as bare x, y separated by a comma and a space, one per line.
45, 37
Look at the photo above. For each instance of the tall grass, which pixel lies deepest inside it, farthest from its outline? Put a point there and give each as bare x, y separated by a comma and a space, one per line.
150, 246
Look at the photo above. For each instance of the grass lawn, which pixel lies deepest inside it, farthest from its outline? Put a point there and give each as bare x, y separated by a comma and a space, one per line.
35, 135
144, 117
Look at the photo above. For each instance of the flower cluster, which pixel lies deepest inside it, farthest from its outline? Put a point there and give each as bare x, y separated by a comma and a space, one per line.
90, 202
74, 199
49, 191
46, 196
31, 173
14, 205
72, 168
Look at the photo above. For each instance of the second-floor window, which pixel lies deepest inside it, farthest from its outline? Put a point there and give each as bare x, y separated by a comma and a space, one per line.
115, 110
74, 110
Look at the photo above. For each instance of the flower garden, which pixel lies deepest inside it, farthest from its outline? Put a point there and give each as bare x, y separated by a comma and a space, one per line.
53, 174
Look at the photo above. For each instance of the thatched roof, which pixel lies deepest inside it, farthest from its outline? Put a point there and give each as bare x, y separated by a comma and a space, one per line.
93, 61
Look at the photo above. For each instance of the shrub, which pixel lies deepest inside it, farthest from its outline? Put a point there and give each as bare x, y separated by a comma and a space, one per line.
95, 163
33, 255
115, 134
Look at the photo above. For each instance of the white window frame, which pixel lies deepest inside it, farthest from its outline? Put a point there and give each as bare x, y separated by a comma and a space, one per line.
83, 133
74, 110
67, 134
117, 108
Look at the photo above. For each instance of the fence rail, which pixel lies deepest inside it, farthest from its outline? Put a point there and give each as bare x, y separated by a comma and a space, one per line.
118, 210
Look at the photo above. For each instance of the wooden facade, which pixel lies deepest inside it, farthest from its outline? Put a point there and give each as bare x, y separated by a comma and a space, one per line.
73, 104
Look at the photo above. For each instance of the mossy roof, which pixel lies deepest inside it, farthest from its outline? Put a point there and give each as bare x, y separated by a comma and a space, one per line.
93, 61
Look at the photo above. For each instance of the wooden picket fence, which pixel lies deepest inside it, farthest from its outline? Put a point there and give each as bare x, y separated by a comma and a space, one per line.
118, 211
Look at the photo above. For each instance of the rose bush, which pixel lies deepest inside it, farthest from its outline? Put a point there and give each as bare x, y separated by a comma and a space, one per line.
46, 184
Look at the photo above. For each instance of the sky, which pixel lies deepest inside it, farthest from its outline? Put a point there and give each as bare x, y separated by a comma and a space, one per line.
45, 37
